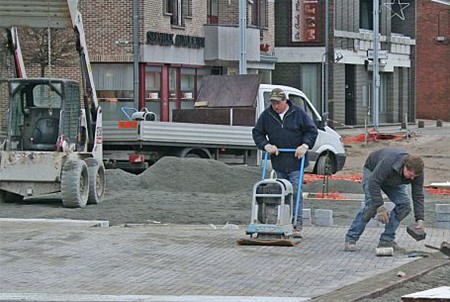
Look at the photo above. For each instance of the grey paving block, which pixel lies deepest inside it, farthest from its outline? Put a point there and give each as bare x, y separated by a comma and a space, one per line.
374, 223
323, 217
443, 224
442, 217
306, 213
323, 214
442, 208
307, 221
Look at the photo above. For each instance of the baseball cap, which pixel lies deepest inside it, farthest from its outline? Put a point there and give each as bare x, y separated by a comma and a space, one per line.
277, 94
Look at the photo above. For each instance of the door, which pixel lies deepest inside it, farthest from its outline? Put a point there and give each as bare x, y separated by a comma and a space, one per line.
350, 102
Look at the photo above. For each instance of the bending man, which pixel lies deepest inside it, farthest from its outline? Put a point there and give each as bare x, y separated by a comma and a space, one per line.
389, 170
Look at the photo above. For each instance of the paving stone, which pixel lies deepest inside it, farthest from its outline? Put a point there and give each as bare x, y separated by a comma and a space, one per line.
184, 260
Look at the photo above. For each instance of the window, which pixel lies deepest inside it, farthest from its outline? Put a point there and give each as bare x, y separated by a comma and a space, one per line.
213, 11
187, 8
310, 84
259, 14
114, 85
178, 10
366, 14
113, 80
47, 95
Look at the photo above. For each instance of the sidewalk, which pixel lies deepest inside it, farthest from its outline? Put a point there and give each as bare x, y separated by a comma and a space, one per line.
50, 261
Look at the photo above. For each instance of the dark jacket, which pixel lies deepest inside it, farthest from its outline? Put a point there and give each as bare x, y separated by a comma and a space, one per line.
387, 165
295, 129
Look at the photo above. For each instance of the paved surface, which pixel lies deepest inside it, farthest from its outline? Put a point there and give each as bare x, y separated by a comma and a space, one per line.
45, 261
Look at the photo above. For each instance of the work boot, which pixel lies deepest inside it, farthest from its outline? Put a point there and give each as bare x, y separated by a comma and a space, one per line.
350, 246
393, 244
297, 233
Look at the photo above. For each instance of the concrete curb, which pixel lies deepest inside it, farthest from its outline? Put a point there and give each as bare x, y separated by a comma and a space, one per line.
71, 222
42, 297
386, 281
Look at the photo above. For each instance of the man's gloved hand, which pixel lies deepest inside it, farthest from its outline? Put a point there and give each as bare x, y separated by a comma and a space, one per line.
271, 149
383, 215
301, 150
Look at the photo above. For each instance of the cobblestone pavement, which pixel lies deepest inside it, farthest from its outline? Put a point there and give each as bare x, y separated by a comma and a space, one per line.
175, 262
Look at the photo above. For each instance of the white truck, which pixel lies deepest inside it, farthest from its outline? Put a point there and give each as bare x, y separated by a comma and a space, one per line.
54, 136
219, 127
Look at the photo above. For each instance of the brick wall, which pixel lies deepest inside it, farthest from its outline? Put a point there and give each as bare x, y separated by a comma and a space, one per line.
433, 62
284, 72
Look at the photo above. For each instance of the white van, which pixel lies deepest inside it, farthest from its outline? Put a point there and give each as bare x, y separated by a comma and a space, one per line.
328, 154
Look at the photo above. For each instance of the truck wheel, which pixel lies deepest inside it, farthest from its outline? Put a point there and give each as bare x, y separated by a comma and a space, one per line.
324, 165
194, 153
74, 184
96, 173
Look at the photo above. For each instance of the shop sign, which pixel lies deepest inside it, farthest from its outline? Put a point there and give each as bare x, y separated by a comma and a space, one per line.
163, 39
305, 20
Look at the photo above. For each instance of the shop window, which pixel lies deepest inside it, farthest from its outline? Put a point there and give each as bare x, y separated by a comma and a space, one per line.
187, 87
153, 89
114, 86
113, 80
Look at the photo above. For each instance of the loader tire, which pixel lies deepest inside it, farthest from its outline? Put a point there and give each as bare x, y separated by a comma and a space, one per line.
96, 173
74, 184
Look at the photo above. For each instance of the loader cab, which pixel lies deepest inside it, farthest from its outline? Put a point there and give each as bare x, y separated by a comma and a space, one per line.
41, 111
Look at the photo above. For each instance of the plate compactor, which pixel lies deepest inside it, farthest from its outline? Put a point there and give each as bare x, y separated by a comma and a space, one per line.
273, 214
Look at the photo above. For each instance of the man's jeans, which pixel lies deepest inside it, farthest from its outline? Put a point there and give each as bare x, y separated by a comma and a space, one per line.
293, 178
397, 195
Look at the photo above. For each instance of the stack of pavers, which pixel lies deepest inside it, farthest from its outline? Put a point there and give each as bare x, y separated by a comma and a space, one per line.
442, 216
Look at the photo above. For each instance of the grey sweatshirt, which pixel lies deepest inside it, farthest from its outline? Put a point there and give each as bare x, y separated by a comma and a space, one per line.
387, 172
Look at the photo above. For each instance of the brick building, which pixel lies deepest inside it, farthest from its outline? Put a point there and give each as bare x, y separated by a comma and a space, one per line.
180, 42
351, 39
433, 61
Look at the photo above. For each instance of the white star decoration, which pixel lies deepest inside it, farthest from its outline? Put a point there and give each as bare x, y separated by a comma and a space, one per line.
403, 6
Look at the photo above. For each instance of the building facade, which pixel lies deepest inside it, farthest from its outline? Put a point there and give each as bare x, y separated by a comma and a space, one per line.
433, 61
180, 42
349, 57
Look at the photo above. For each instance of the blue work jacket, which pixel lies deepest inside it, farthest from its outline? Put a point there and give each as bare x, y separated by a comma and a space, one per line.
295, 129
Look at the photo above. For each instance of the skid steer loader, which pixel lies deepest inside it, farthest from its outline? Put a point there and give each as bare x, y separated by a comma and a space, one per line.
54, 136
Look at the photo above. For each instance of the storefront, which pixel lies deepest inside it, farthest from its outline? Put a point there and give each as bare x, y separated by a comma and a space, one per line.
170, 74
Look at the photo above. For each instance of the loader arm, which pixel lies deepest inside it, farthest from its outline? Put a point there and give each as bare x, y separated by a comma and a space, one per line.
16, 52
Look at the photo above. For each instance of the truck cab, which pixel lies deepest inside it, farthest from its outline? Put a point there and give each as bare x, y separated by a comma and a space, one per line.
328, 154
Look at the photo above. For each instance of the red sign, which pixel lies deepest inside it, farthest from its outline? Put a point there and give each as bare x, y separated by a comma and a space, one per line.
305, 20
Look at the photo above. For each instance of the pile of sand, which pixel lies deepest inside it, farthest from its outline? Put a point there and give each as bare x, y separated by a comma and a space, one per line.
189, 175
